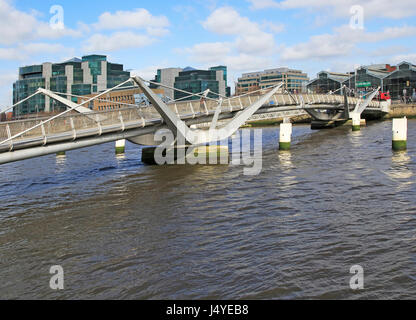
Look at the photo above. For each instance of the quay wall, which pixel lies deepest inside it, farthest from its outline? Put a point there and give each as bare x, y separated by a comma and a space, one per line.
401, 110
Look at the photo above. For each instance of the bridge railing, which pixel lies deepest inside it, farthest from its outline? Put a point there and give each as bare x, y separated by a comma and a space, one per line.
278, 100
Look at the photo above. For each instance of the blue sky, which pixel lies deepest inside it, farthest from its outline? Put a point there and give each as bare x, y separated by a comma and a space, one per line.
245, 35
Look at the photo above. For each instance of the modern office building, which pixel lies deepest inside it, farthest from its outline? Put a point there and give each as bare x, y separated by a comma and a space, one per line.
393, 79
225, 75
293, 80
166, 77
192, 80
249, 82
197, 81
91, 74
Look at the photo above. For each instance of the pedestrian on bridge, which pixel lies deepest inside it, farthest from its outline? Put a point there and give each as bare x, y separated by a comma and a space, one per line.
405, 95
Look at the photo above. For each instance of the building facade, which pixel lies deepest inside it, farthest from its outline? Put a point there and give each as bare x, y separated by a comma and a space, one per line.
293, 80
116, 99
197, 81
166, 77
225, 76
403, 78
91, 74
249, 82
193, 81
6, 116
393, 79
327, 82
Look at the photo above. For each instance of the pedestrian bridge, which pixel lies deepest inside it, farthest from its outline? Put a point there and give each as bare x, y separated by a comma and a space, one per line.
29, 138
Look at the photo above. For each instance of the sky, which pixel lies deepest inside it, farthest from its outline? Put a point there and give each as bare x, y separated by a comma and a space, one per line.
244, 35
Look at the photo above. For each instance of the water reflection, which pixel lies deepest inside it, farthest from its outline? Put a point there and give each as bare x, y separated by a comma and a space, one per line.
60, 161
285, 159
120, 157
400, 168
356, 138
287, 181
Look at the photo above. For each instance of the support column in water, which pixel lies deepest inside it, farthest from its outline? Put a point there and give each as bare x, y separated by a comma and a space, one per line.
285, 135
203, 155
120, 146
356, 122
400, 134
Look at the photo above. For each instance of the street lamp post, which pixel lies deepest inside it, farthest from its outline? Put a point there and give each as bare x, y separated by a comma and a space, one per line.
355, 82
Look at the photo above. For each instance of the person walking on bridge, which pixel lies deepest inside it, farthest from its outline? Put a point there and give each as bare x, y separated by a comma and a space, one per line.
405, 95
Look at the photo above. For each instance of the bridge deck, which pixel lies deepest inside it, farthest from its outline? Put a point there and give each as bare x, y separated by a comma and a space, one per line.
74, 126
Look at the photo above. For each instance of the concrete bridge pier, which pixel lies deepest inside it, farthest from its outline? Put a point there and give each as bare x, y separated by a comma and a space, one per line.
356, 122
120, 146
285, 135
399, 134
193, 155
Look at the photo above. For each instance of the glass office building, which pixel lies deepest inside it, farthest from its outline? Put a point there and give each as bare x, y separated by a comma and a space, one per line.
91, 74
225, 75
197, 81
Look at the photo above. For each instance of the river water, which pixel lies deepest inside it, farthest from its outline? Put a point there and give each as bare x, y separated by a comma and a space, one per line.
124, 230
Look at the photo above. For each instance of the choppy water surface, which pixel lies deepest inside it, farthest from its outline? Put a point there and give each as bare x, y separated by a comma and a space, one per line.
123, 230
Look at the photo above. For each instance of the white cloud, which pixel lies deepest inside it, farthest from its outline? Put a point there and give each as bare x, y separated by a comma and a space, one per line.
149, 72
263, 4
250, 47
208, 52
24, 51
208, 4
274, 27
6, 81
17, 26
240, 63
187, 12
6, 97
226, 20
151, 28
388, 51
342, 42
157, 32
225, 53
318, 47
372, 8
262, 43
7, 78
116, 41
390, 33
135, 19
409, 57
244, 62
